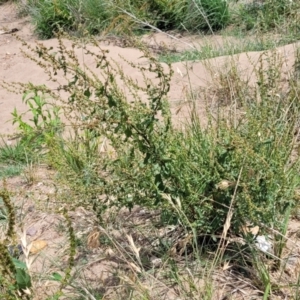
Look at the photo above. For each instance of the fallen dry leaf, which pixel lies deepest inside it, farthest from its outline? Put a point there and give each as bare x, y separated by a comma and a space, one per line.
253, 230
133, 247
93, 239
37, 246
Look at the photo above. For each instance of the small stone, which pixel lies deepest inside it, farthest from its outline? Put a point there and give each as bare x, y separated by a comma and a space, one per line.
156, 262
30, 208
31, 231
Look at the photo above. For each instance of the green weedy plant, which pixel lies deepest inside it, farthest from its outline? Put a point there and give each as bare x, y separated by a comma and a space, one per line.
32, 136
12, 153
43, 126
197, 168
10, 171
13, 158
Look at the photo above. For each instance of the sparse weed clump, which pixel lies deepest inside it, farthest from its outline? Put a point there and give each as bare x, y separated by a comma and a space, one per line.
126, 148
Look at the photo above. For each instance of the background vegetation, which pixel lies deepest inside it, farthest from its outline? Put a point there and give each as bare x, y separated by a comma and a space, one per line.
115, 17
94, 16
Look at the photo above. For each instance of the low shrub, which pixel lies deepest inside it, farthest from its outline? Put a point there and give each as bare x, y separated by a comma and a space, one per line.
194, 176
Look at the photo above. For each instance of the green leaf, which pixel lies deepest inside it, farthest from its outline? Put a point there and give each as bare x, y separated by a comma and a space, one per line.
23, 279
87, 93
111, 101
128, 132
56, 277
19, 264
